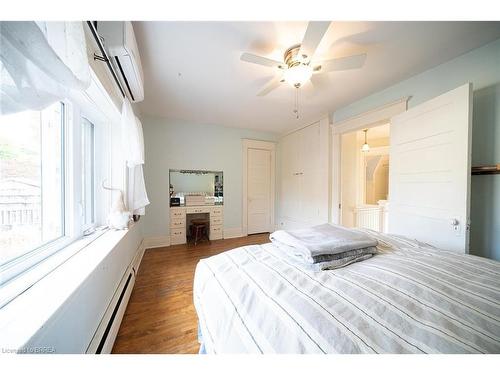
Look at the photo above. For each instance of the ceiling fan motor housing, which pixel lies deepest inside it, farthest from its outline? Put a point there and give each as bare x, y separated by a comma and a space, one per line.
297, 66
291, 56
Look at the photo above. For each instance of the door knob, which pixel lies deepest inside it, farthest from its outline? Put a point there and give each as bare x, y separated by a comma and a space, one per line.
454, 222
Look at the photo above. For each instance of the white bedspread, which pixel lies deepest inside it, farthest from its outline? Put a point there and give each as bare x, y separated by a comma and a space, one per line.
412, 298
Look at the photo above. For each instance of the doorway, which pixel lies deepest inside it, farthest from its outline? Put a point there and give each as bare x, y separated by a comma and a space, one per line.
258, 186
365, 177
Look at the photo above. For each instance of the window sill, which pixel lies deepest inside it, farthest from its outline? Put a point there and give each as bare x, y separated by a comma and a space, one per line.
23, 316
64, 250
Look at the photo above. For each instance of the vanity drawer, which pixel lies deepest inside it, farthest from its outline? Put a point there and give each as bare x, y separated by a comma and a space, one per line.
215, 221
177, 236
197, 210
217, 211
178, 222
177, 213
216, 232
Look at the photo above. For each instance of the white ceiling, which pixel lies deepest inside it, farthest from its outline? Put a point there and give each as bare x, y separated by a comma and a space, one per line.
193, 72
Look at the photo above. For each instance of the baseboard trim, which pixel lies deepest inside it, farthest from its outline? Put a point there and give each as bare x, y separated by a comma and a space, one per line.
232, 233
153, 242
164, 241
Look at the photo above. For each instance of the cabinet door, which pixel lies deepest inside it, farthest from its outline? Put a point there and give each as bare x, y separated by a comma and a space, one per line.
310, 187
289, 189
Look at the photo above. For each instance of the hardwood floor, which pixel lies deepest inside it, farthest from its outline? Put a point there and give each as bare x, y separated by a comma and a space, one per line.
160, 316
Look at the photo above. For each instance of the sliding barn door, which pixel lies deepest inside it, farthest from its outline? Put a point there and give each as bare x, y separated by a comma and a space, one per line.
429, 173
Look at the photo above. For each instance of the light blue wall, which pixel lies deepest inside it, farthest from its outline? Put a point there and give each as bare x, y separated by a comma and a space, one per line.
172, 144
481, 67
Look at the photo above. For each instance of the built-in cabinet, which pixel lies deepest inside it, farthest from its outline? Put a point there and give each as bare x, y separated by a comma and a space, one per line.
305, 176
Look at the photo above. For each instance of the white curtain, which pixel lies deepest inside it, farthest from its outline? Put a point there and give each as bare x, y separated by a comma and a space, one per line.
133, 148
40, 63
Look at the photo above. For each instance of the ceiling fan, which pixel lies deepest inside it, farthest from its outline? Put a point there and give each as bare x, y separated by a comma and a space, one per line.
299, 64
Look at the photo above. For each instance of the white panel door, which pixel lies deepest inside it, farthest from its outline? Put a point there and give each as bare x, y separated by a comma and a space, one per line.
259, 190
429, 174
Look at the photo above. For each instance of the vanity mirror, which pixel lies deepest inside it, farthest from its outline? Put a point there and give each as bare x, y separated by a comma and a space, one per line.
202, 187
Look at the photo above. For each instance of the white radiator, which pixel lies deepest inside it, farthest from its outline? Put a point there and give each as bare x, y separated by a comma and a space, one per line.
88, 319
104, 338
370, 217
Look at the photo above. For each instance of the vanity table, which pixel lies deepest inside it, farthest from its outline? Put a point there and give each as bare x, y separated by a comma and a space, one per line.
178, 221
200, 195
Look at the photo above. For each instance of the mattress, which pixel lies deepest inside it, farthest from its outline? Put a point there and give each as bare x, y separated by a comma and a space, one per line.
409, 298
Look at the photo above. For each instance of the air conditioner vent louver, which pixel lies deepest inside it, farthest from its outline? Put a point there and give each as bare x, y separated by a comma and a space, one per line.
120, 43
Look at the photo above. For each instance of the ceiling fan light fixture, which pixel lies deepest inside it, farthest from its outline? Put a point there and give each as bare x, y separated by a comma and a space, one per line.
298, 74
366, 146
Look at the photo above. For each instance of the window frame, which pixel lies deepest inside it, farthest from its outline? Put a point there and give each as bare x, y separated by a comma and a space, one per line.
97, 107
24, 262
88, 227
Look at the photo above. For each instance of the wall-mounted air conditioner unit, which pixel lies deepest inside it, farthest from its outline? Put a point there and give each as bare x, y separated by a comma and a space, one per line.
121, 46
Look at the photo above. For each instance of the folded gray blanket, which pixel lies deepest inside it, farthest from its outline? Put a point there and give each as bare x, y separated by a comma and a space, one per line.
312, 244
326, 262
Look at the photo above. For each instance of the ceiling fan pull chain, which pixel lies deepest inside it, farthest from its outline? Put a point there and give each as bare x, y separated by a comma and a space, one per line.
296, 110
297, 104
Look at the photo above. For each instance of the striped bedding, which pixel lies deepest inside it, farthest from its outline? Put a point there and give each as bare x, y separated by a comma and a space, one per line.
409, 298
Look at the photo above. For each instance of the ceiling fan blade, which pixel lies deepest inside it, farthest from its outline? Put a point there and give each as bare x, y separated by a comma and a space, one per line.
312, 37
251, 58
342, 63
270, 86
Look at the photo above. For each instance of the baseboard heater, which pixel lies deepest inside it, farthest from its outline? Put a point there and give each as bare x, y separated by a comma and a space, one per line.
104, 338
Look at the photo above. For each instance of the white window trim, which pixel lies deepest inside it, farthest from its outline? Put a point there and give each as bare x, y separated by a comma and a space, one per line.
24, 262
88, 228
95, 105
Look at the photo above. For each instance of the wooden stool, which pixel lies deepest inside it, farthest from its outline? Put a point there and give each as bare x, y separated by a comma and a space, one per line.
199, 230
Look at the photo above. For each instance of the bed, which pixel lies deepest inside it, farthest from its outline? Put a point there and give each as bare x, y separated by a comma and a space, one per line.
409, 298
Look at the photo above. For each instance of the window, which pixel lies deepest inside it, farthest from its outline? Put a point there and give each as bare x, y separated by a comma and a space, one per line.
88, 174
50, 184
32, 188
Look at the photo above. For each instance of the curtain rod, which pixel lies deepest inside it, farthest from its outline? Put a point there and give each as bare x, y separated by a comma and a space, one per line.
104, 56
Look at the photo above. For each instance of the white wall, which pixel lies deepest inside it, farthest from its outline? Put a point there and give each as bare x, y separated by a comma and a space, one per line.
174, 144
481, 67
349, 177
380, 182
